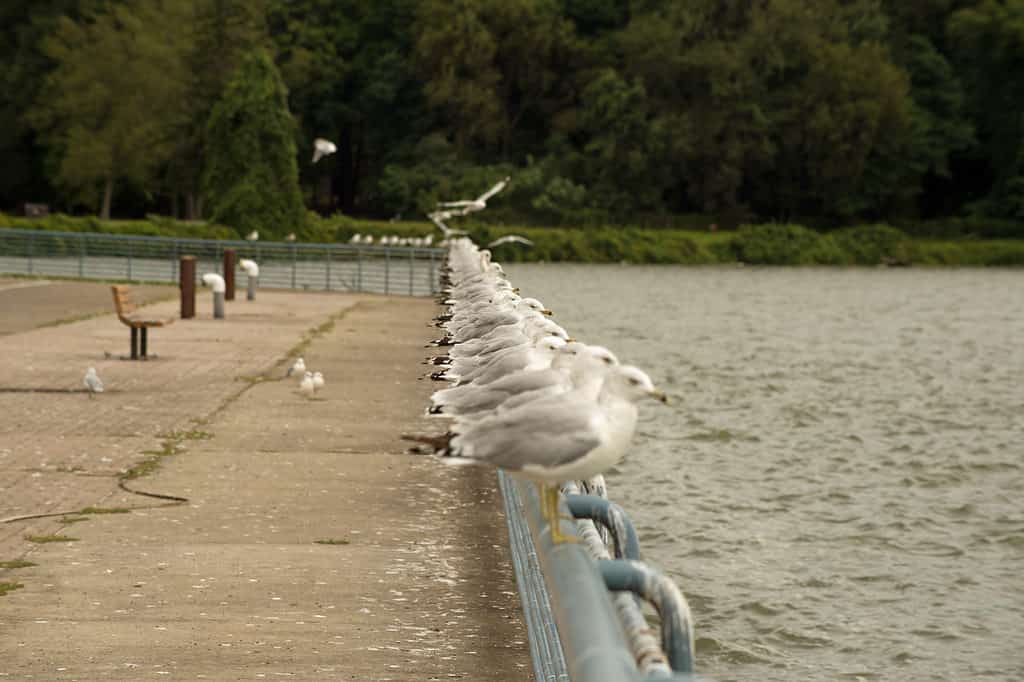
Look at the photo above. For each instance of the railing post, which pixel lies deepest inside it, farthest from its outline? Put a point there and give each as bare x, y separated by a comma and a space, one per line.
174, 261
431, 275
359, 270
387, 270
129, 260
328, 274
31, 248
412, 267
81, 256
293, 266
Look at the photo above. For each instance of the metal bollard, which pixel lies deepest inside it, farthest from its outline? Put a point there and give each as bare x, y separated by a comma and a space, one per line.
187, 284
218, 305
253, 271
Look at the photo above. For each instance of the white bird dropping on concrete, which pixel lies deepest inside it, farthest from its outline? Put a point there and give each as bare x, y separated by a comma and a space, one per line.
92, 382
306, 386
318, 381
297, 367
253, 236
322, 148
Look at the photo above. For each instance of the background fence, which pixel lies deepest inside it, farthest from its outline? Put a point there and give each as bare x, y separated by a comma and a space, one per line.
401, 270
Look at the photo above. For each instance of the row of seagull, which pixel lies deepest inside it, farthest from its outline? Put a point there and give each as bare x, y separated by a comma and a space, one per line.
525, 396
392, 240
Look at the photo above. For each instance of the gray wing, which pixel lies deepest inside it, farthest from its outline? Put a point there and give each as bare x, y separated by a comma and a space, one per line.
546, 437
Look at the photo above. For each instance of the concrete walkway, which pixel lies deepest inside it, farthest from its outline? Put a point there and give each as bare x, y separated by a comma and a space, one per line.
311, 547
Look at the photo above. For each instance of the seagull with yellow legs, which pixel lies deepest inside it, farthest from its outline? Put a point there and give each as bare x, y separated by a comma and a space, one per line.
552, 441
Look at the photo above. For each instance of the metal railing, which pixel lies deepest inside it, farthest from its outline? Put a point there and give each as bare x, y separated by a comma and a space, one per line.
411, 271
582, 602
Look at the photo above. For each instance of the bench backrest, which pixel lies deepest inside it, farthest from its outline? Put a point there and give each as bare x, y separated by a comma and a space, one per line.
123, 300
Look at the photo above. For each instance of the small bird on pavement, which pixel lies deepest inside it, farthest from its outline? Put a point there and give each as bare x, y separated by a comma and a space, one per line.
297, 367
306, 386
318, 381
92, 382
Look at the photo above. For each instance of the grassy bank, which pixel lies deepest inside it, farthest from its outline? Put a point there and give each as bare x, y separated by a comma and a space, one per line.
768, 244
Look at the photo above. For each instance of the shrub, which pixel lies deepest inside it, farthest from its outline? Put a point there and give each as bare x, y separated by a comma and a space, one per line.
776, 244
873, 245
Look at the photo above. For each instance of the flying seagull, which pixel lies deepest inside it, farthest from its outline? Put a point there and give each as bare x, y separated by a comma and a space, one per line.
322, 148
438, 218
92, 382
478, 204
510, 238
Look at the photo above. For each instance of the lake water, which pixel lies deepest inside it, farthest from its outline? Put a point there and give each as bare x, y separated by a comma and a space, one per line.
838, 486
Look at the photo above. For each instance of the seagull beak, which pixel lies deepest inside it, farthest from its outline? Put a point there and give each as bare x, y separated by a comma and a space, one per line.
546, 312
660, 397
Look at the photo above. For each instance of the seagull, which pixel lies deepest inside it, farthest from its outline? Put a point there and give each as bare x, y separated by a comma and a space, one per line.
478, 204
356, 239
438, 218
306, 386
253, 236
298, 366
509, 238
318, 381
322, 148
290, 237
550, 443
92, 382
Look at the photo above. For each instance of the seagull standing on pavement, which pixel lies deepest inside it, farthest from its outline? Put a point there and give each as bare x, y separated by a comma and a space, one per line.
92, 382
306, 386
298, 366
318, 381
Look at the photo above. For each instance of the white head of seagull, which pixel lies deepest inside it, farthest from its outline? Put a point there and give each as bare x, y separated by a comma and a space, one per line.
253, 236
322, 148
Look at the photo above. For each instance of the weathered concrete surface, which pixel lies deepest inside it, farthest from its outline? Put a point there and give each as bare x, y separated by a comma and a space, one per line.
233, 585
29, 303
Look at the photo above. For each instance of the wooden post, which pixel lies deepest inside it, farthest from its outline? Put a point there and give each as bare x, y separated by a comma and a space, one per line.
187, 284
229, 274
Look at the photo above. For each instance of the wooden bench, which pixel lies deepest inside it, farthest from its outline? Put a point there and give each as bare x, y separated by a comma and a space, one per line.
126, 313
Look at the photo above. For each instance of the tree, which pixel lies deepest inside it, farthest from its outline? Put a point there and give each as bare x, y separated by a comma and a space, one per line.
251, 177
988, 41
110, 104
221, 32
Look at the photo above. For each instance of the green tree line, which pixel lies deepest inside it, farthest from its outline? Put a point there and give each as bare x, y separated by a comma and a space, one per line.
825, 112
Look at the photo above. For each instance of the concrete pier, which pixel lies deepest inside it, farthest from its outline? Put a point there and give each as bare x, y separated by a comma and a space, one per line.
310, 547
